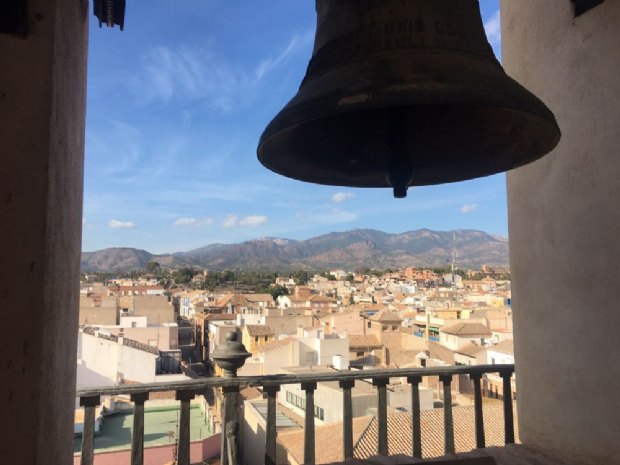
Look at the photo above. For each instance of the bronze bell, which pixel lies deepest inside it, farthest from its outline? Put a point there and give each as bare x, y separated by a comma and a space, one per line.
404, 93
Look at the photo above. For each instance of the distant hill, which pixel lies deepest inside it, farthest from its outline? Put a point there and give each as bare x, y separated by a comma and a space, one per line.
349, 250
125, 258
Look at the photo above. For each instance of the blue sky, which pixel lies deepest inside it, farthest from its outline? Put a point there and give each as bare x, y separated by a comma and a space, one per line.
176, 105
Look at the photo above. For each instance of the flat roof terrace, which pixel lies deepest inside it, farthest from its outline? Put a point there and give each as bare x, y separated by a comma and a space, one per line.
160, 428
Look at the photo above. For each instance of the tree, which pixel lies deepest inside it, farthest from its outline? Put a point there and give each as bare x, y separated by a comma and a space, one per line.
152, 267
277, 291
183, 275
301, 277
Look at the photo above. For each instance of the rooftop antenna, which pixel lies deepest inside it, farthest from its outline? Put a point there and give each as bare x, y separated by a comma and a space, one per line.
453, 265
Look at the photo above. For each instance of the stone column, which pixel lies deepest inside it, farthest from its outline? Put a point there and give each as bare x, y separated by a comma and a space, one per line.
564, 223
230, 356
42, 105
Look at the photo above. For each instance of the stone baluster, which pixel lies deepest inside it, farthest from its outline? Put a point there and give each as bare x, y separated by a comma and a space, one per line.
416, 432
88, 435
137, 435
230, 356
382, 440
447, 414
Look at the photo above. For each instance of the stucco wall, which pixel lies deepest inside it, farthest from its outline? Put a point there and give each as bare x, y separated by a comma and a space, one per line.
165, 337
159, 455
277, 358
314, 351
288, 324
97, 316
110, 360
564, 224
253, 435
349, 323
42, 104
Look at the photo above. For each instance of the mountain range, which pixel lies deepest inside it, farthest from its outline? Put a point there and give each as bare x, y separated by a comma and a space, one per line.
348, 250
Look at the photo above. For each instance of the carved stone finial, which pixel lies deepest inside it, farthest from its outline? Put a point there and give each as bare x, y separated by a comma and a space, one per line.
230, 355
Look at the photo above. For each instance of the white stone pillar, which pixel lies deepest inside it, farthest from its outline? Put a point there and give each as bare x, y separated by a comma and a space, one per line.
564, 223
42, 103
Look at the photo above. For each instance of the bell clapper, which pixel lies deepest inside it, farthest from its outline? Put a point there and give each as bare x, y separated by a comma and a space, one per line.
399, 170
399, 175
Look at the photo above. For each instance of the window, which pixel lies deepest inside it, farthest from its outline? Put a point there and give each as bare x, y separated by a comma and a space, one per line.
369, 324
295, 400
319, 413
299, 402
394, 328
266, 338
360, 353
255, 338
384, 327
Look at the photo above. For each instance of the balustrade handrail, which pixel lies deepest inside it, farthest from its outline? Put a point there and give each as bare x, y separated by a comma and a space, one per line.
231, 384
278, 380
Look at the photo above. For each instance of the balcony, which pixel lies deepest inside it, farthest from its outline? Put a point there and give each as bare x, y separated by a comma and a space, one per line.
270, 385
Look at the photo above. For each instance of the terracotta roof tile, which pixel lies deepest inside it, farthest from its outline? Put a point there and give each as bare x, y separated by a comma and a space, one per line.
329, 443
279, 343
505, 347
363, 340
327, 439
250, 393
220, 317
260, 330
258, 297
471, 350
386, 315
466, 329
432, 426
322, 298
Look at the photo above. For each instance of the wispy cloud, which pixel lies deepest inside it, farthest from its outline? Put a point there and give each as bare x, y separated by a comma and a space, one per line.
186, 73
117, 224
469, 208
493, 29
233, 221
192, 222
123, 154
267, 65
342, 197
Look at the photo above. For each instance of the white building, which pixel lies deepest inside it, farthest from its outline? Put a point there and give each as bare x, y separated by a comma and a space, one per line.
456, 335
107, 360
328, 398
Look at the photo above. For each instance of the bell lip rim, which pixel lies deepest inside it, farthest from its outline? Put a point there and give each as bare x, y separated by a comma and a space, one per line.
552, 144
269, 133
414, 182
272, 129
